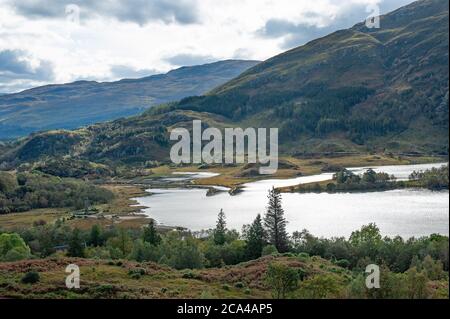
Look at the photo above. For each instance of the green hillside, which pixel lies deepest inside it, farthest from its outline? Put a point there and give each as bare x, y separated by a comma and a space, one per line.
69, 106
356, 90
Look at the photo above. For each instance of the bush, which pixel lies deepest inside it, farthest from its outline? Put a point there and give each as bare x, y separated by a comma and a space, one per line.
239, 285
190, 275
13, 248
344, 263
281, 279
31, 277
136, 273
226, 287
269, 250
303, 257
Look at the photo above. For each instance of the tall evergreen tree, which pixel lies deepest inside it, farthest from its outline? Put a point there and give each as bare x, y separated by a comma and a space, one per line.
150, 234
95, 237
76, 245
221, 228
255, 238
275, 222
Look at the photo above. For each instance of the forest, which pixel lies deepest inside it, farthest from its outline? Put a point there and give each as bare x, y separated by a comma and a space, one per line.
30, 190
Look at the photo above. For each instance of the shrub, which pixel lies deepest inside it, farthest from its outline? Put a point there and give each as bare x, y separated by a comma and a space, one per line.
136, 273
13, 248
31, 277
226, 287
190, 275
344, 263
282, 279
239, 285
303, 255
269, 250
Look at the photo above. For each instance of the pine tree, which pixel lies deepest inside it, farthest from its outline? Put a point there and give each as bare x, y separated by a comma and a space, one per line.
150, 234
76, 245
221, 228
95, 237
255, 238
275, 222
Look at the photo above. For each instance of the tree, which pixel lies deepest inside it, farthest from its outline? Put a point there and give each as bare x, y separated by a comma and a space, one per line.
275, 222
282, 279
13, 248
370, 176
76, 245
367, 241
416, 283
95, 237
255, 239
150, 235
221, 228
321, 286
121, 243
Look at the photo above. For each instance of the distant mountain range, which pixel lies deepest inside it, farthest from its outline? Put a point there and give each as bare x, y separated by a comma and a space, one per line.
361, 90
72, 105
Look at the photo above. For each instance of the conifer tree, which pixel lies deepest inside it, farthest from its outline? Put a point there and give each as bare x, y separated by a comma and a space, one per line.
150, 234
76, 245
275, 223
221, 228
255, 238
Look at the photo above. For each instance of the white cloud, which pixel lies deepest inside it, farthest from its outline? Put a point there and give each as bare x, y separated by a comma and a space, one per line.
116, 36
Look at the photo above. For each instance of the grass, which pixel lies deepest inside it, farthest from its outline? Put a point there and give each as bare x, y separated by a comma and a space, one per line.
112, 280
228, 175
127, 216
27, 219
106, 279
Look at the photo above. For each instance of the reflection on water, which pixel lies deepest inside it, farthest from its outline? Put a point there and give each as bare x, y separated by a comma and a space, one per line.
400, 212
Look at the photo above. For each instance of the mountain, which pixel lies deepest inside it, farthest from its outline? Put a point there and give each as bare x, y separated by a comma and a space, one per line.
72, 105
360, 90
382, 88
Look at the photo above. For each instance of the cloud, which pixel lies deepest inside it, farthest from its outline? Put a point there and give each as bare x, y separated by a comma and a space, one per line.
128, 38
137, 11
188, 59
128, 72
17, 72
14, 64
318, 24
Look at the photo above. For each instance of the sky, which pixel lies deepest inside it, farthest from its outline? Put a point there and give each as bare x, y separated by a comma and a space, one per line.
60, 41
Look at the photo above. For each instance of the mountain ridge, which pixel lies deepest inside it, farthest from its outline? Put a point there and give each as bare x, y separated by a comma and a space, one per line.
79, 103
355, 90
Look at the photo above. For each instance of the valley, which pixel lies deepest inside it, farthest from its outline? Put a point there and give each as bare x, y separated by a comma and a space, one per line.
88, 176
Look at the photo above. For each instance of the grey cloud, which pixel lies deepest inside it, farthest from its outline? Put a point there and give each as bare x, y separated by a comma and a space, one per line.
186, 59
13, 66
138, 11
127, 72
16, 73
300, 33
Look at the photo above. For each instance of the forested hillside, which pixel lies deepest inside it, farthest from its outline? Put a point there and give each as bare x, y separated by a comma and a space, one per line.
356, 90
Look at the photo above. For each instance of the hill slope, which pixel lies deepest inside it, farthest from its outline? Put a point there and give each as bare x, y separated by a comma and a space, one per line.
360, 85
72, 105
355, 90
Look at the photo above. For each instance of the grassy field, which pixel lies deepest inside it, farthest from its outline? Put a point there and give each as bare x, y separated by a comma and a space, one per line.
119, 211
111, 279
118, 280
232, 176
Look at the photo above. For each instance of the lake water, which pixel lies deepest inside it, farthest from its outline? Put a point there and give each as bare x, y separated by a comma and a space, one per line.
399, 212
